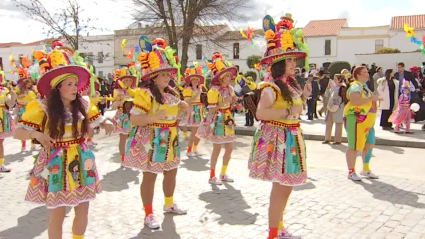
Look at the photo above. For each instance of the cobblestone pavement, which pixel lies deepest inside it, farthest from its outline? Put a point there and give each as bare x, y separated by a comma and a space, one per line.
330, 206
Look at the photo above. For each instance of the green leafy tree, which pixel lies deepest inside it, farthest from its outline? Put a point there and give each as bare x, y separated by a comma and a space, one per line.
253, 74
252, 60
387, 50
337, 66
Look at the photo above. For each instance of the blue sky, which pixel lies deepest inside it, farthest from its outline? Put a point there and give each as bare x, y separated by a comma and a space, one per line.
115, 14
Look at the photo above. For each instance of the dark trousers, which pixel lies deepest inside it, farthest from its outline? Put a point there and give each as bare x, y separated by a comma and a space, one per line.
385, 115
249, 118
102, 108
311, 108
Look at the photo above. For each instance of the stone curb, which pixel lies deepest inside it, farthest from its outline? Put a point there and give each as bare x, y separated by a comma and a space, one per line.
318, 137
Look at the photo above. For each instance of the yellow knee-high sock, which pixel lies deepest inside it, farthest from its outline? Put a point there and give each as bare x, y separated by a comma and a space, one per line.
194, 147
281, 225
223, 170
169, 201
1, 162
366, 167
185, 134
77, 237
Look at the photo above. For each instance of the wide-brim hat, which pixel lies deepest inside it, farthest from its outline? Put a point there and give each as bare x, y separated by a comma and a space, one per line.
121, 78
189, 78
59, 74
150, 75
277, 54
216, 77
23, 80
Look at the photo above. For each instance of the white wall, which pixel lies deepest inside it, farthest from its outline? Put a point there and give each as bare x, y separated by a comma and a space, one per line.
96, 44
15, 51
389, 61
399, 40
317, 49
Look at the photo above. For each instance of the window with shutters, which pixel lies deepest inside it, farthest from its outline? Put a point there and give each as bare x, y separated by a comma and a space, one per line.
236, 50
198, 52
379, 43
327, 47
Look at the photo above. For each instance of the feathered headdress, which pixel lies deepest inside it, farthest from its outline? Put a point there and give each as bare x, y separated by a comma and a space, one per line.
219, 67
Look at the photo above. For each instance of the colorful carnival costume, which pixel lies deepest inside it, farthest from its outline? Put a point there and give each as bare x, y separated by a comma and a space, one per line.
7, 125
278, 152
66, 174
122, 94
219, 128
403, 113
155, 148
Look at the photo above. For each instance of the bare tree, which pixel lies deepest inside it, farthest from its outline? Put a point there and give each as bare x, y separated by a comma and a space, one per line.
184, 19
64, 22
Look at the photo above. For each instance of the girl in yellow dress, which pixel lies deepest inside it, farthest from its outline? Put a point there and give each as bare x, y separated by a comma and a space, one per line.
219, 125
122, 102
196, 113
153, 145
278, 153
7, 101
65, 172
26, 93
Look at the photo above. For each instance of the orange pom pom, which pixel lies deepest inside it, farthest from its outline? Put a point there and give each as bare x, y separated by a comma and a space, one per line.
34, 181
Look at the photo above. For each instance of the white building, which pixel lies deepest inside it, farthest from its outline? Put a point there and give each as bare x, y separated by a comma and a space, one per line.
16, 49
99, 50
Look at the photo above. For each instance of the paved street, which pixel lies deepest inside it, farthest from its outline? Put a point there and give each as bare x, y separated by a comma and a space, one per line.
330, 206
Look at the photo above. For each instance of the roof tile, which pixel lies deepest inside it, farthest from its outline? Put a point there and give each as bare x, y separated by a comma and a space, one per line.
415, 21
324, 27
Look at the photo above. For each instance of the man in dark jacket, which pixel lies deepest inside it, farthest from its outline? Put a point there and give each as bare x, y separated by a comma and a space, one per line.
323, 82
312, 81
104, 92
402, 75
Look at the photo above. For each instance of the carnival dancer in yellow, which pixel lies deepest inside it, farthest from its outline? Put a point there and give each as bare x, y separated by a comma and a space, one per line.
196, 112
7, 101
94, 100
278, 151
153, 145
125, 84
65, 172
359, 119
26, 93
219, 126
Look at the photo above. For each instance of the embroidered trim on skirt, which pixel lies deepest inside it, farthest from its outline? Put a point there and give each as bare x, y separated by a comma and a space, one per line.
278, 154
153, 149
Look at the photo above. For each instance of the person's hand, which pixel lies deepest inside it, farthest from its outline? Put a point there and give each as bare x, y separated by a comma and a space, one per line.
161, 115
109, 127
297, 109
183, 105
417, 90
376, 98
307, 90
43, 139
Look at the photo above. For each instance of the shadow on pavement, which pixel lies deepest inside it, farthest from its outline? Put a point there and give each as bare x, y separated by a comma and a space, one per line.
19, 157
306, 186
387, 192
197, 164
168, 230
118, 180
229, 204
241, 144
31, 225
396, 150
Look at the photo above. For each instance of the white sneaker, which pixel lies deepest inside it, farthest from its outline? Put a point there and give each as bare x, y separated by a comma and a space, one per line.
354, 177
369, 175
226, 178
215, 181
4, 169
284, 234
175, 209
151, 222
192, 154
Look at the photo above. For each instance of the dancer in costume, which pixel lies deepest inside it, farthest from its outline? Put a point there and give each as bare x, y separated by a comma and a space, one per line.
196, 113
278, 151
153, 146
7, 102
64, 172
94, 100
123, 94
403, 113
26, 93
219, 125
359, 119
183, 114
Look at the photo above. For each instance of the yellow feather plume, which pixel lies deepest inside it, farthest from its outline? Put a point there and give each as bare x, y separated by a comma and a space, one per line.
220, 65
154, 61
